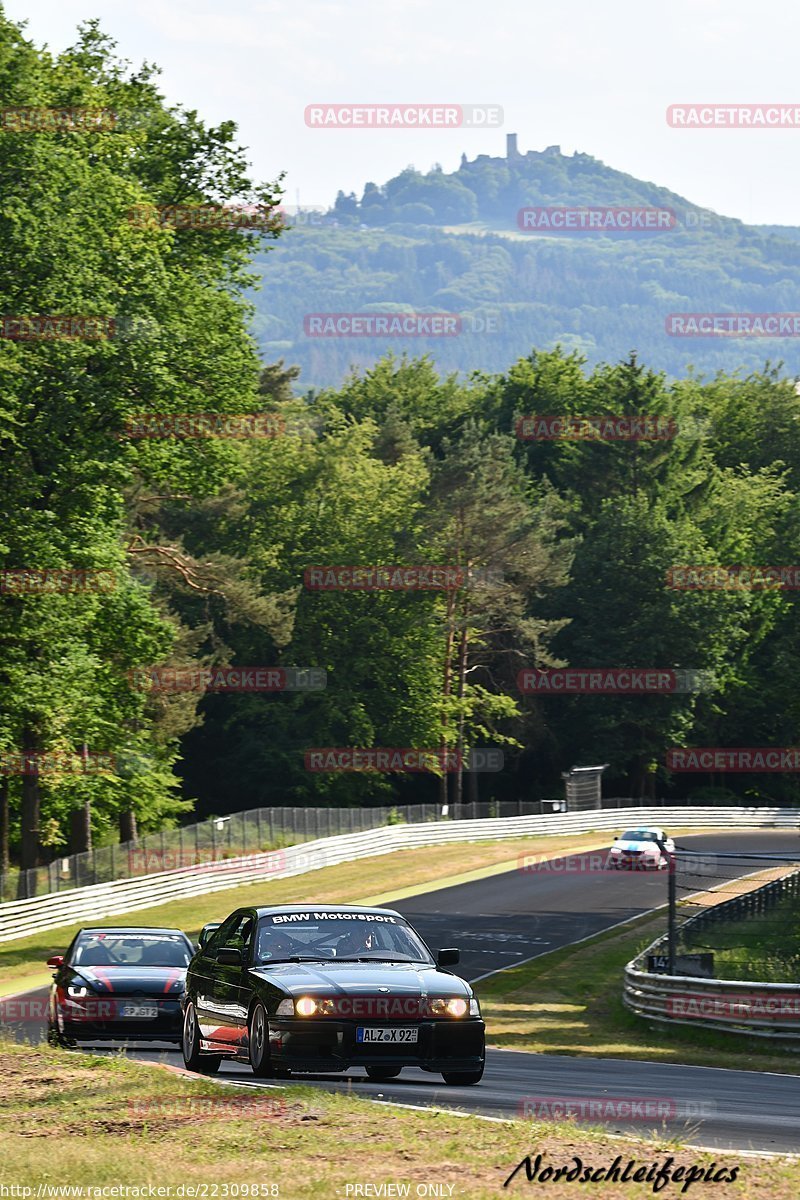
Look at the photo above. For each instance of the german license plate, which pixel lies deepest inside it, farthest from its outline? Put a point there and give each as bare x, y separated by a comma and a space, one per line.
138, 1010
367, 1033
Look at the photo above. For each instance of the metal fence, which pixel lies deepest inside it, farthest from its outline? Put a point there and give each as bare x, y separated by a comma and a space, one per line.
756, 1007
262, 829
250, 832
21, 917
732, 929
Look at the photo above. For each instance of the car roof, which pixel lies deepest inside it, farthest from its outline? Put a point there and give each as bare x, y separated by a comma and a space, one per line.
130, 929
265, 910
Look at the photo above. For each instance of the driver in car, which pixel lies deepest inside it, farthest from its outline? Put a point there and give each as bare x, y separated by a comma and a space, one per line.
273, 943
356, 943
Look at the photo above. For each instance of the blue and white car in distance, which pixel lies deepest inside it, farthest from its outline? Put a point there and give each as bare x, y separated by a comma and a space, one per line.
645, 848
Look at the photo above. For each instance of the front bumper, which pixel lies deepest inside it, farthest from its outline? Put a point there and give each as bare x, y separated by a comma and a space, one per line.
103, 1020
330, 1045
633, 862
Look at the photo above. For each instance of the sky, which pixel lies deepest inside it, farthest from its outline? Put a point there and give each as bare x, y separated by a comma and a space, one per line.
592, 77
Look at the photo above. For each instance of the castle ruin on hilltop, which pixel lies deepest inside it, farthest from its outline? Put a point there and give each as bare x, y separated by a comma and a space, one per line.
513, 153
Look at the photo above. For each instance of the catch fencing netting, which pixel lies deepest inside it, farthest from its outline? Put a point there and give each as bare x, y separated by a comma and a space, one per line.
736, 915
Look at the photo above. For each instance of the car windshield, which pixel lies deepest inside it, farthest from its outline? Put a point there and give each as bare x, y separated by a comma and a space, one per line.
337, 936
131, 949
638, 835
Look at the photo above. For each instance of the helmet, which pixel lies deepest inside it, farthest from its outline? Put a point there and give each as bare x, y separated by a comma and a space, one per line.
356, 942
273, 943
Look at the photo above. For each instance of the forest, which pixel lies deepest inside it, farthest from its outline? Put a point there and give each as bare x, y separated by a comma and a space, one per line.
204, 538
454, 243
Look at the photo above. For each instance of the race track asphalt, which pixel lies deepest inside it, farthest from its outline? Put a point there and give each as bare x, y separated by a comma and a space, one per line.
511, 917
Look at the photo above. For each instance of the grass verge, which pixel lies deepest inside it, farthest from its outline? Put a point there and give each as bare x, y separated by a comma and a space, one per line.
374, 880
108, 1122
758, 946
570, 1002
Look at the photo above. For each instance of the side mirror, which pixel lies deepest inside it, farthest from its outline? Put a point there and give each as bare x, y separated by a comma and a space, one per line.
230, 956
447, 958
56, 960
206, 932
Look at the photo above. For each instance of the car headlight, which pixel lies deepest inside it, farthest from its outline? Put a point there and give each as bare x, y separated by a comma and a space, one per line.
456, 1006
309, 1006
78, 991
474, 1007
285, 1009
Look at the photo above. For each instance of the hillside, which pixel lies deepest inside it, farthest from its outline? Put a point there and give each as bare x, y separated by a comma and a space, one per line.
452, 243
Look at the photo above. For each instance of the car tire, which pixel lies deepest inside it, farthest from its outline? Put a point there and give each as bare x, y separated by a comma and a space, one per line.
258, 1043
462, 1078
56, 1038
204, 1064
379, 1074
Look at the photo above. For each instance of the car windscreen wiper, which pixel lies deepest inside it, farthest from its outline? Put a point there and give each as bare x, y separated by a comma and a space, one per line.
383, 960
296, 958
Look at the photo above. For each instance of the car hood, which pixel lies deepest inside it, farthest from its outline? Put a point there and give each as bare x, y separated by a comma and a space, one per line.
332, 978
132, 981
630, 845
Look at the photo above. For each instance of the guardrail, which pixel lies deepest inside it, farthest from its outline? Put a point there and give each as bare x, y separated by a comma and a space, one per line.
731, 1005
260, 829
19, 918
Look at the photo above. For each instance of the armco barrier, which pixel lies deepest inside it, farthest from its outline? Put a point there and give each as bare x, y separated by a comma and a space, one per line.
731, 1005
19, 918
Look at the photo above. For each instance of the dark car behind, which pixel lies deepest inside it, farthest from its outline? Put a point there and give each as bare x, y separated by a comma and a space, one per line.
121, 984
